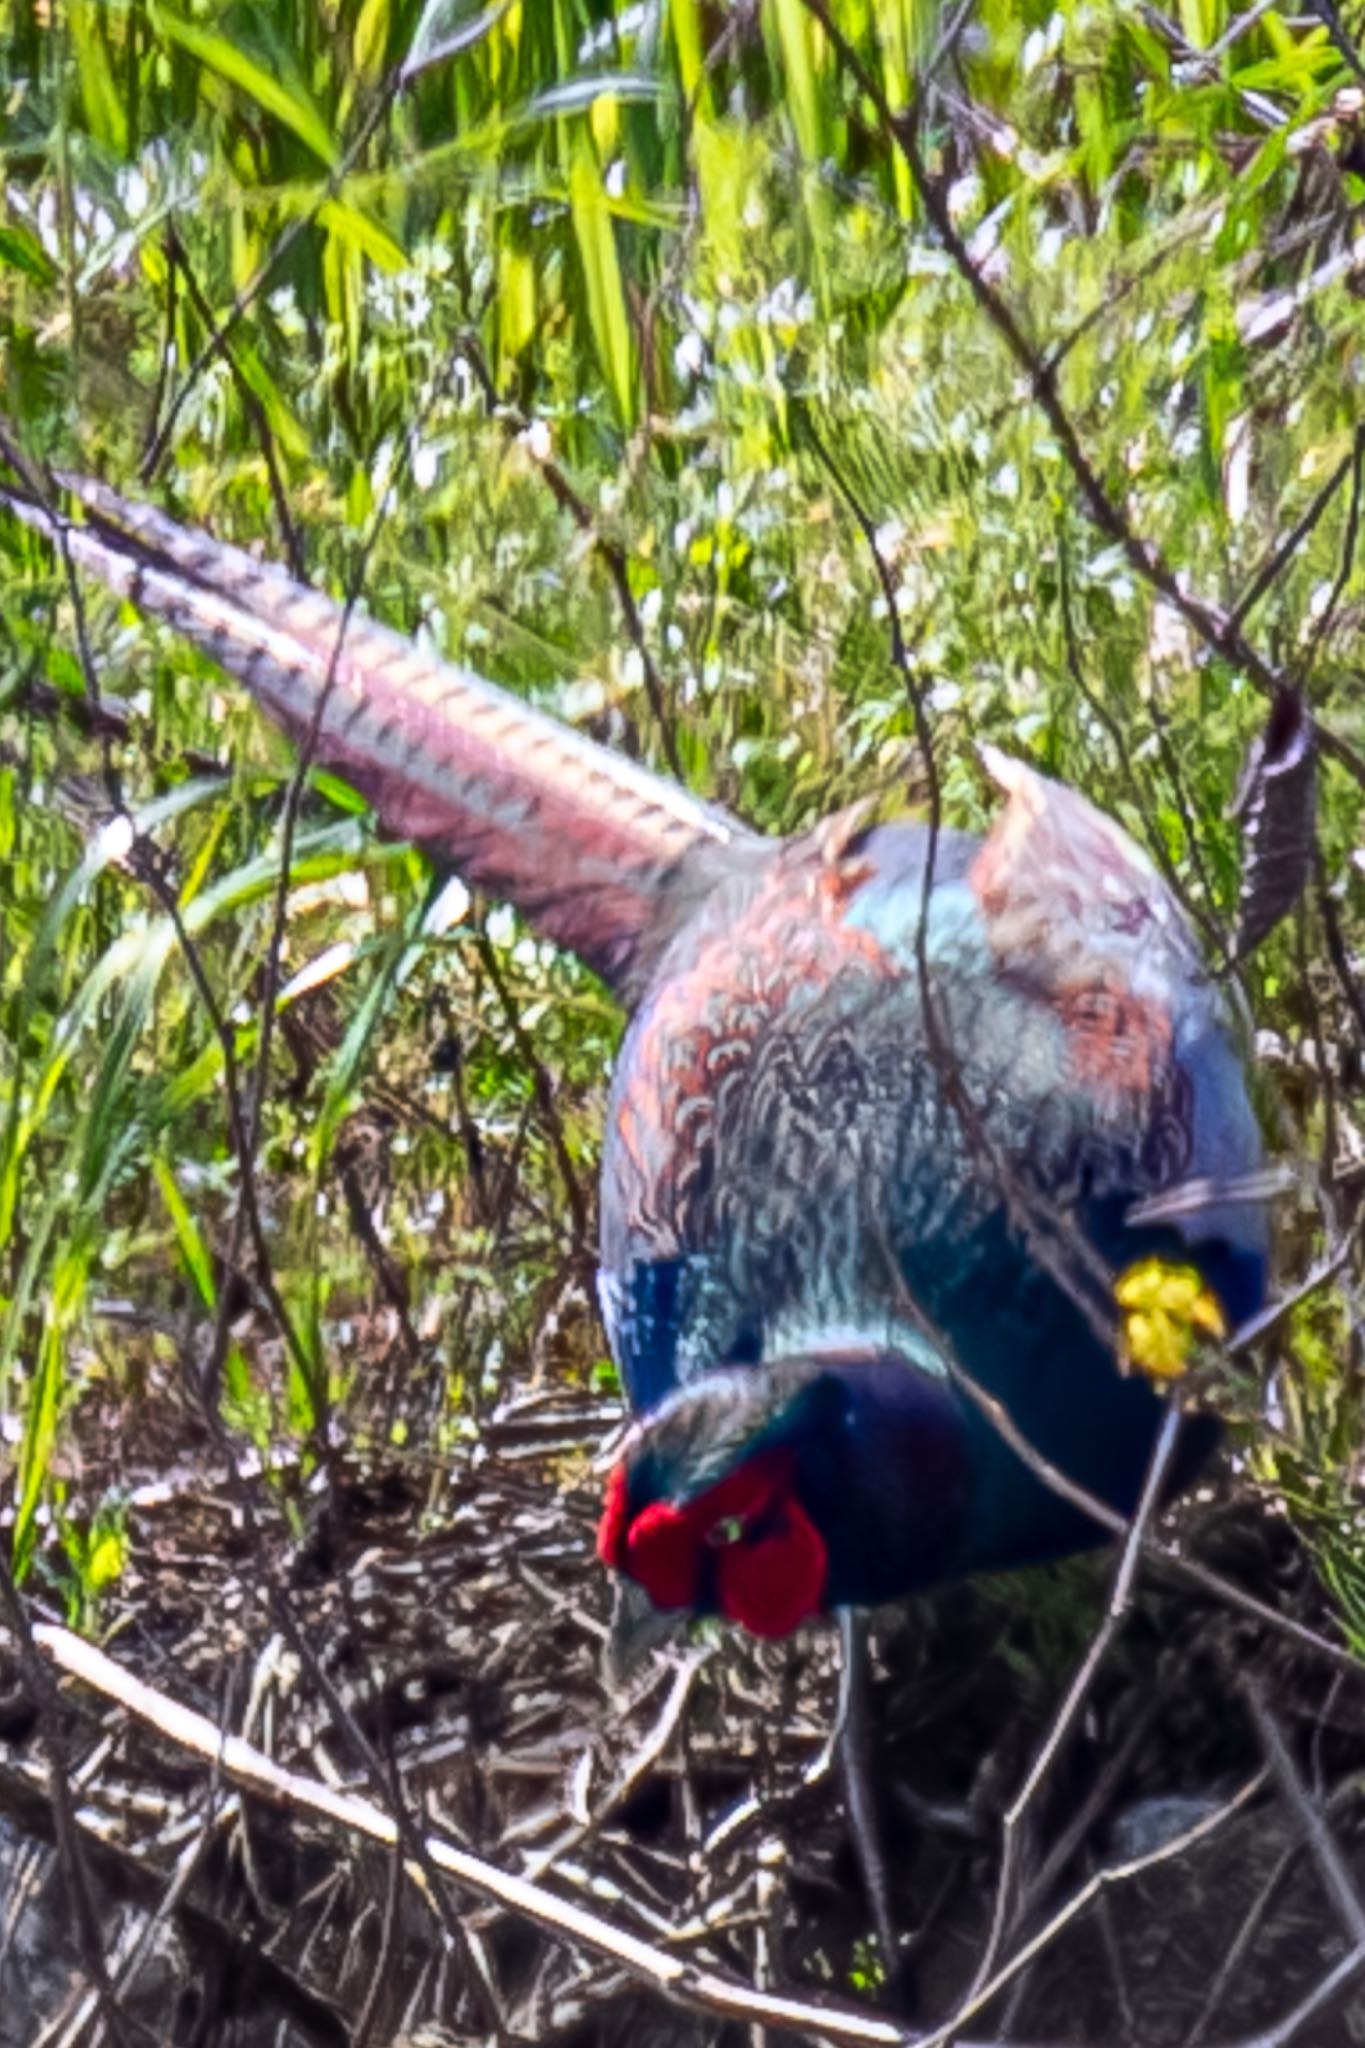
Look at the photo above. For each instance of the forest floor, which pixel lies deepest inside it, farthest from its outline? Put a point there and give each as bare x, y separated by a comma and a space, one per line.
390, 1627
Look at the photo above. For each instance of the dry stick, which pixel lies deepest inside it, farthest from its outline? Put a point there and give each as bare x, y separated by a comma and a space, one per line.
641, 1760
1237, 28
1078, 1692
145, 862
1330, 16
1336, 1879
279, 917
1193, 838
142, 1941
1256, 106
248, 1219
70, 1860
1273, 567
1058, 1482
1123, 752
1347, 562
1103, 1880
705, 1990
1335, 941
1141, 1540
550, 1118
1214, 626
1320, 2000
163, 368
245, 1130
1251, 1925
1082, 1816
1113, 1955
1152, 1546
1274, 1313
1037, 1218
393, 1895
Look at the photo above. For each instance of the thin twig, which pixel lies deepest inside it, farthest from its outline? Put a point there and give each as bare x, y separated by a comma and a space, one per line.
1347, 562
702, 1989
1336, 1879
155, 453
71, 1861
548, 1107
1280, 556
1111, 1874
1064, 1720
251, 405
611, 554
1214, 626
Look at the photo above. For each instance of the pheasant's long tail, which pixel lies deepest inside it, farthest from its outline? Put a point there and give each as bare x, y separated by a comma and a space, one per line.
581, 840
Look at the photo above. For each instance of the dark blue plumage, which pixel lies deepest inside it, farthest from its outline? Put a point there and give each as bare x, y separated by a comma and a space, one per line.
788, 1177
819, 1197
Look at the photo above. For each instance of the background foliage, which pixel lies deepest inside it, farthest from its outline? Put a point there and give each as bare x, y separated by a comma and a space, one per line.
612, 349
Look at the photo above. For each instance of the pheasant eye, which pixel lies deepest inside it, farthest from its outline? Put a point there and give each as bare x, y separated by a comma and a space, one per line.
729, 1529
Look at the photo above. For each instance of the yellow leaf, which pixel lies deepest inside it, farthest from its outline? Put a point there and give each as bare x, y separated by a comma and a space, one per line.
370, 41
106, 1560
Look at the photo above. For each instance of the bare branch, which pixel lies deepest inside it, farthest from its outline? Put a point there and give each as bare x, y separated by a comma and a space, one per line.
1217, 628
705, 1990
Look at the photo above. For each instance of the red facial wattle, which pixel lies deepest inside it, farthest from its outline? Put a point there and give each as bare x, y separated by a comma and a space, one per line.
770, 1581
771, 1586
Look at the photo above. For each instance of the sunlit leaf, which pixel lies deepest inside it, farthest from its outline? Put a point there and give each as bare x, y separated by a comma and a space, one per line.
445, 29
607, 315
285, 100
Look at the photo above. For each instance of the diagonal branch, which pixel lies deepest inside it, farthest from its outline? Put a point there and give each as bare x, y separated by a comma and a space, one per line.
1219, 630
703, 1990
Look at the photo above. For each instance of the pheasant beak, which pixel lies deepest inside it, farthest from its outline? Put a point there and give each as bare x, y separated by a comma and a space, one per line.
637, 1627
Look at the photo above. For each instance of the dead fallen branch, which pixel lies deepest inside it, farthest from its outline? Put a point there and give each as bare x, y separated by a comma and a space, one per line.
705, 1990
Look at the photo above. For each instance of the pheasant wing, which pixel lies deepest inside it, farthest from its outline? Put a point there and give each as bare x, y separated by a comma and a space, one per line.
1148, 1047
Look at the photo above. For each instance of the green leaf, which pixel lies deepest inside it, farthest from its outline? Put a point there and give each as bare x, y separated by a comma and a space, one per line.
446, 28
359, 232
193, 1250
101, 95
288, 103
21, 250
107, 1555
607, 315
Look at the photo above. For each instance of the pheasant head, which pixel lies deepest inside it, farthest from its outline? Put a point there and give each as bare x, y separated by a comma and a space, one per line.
772, 1493
705, 1513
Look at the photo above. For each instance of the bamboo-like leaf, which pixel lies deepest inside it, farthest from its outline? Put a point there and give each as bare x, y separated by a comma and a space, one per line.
795, 37
401, 954
446, 28
362, 234
100, 93
607, 315
40, 1423
193, 1250
20, 249
370, 38
580, 95
285, 100
685, 19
